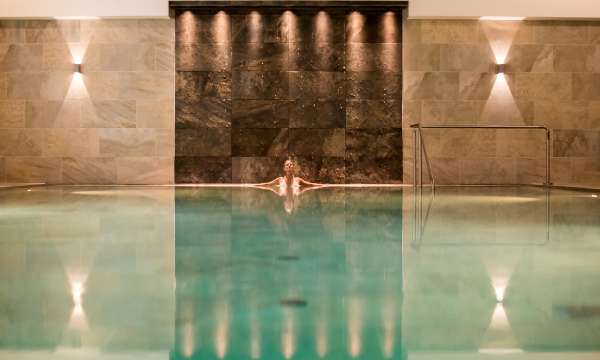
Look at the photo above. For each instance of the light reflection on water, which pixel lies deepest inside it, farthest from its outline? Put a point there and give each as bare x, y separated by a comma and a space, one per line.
192, 273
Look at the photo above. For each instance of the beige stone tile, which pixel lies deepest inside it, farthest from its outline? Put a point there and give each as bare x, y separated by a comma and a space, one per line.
110, 31
156, 30
164, 55
12, 114
147, 85
52, 31
460, 142
145, 170
411, 113
25, 86
421, 57
76, 170
561, 32
2, 171
488, 170
108, 114
531, 171
165, 142
56, 85
466, 57
503, 34
3, 86
33, 169
446, 170
71, 142
561, 172
91, 57
21, 142
476, 86
155, 114
535, 86
21, 57
564, 115
586, 171
451, 112
411, 30
593, 111
128, 142
521, 143
102, 85
450, 31
430, 85
507, 112
574, 58
53, 114
530, 58
12, 31
57, 56
586, 86
575, 143
127, 57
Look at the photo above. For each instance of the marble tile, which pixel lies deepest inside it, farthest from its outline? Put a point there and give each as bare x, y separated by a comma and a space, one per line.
530, 58
203, 57
535, 86
145, 170
71, 143
466, 57
373, 85
25, 86
317, 142
195, 85
521, 143
317, 56
260, 113
12, 31
209, 112
12, 114
365, 170
421, 57
2, 171
450, 32
476, 86
260, 56
373, 143
33, 170
207, 28
445, 169
255, 27
165, 142
21, 142
561, 171
317, 85
586, 171
156, 30
318, 114
363, 114
57, 56
155, 114
259, 142
316, 26
380, 27
530, 171
164, 57
252, 170
374, 57
561, 32
575, 143
431, 85
461, 142
593, 112
52, 31
127, 142
102, 85
320, 169
146, 85
573, 58
108, 114
586, 86
93, 171
189, 169
493, 170
203, 142
257, 85
109, 31
140, 57
3, 86
451, 112
563, 115
508, 112
411, 113
57, 86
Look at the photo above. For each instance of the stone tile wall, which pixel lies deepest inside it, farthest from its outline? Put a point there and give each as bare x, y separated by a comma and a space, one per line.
254, 88
552, 79
111, 125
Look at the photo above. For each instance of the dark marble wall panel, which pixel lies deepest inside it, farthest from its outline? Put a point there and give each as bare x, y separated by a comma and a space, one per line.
257, 87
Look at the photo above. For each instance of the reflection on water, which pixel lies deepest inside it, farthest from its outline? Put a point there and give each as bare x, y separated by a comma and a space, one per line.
198, 273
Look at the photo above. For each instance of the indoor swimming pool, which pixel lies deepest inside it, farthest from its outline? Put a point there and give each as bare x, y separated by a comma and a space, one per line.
336, 273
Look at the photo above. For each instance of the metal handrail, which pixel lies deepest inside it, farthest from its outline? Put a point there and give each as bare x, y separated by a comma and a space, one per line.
418, 128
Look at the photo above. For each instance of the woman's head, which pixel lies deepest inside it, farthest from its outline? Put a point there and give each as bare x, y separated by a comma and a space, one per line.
289, 167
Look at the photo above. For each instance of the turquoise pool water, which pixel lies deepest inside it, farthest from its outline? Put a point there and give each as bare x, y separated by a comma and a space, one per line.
342, 273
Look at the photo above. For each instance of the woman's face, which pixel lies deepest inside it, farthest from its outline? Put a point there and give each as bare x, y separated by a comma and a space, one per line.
288, 167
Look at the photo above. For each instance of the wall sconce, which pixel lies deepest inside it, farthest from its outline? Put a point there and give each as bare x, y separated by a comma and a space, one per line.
77, 68
499, 68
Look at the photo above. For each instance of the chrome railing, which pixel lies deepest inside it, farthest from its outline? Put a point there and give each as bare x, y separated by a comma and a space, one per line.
420, 149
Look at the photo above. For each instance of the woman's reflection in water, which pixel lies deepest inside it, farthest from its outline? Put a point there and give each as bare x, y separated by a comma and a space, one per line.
289, 186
